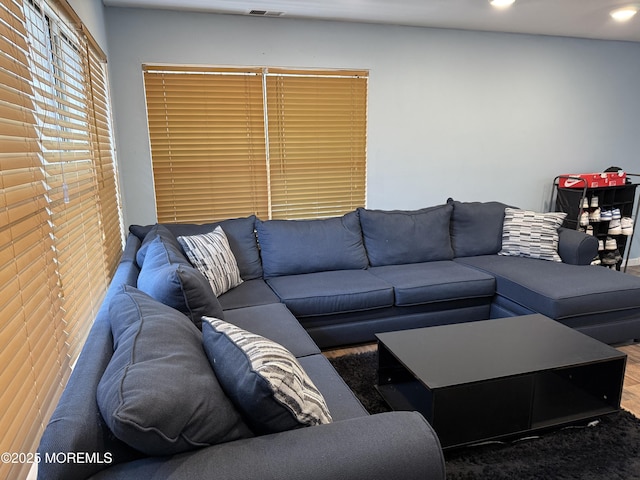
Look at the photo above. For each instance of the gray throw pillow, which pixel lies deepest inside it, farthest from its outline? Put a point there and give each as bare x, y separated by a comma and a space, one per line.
211, 254
263, 379
531, 234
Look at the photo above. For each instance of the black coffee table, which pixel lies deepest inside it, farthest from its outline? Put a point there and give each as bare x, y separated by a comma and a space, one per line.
484, 380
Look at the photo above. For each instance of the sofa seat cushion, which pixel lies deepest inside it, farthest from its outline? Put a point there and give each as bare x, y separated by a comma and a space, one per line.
342, 402
167, 276
277, 323
394, 237
263, 379
334, 292
249, 293
429, 282
292, 247
158, 393
559, 290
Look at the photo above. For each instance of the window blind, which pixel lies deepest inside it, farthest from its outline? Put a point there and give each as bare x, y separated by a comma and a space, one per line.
317, 143
53, 239
207, 144
101, 141
31, 333
277, 143
62, 96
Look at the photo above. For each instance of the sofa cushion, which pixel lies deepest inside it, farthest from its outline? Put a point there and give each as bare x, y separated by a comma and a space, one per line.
167, 276
401, 236
212, 255
159, 394
277, 323
240, 233
429, 282
342, 402
247, 294
476, 227
291, 247
151, 234
323, 293
559, 290
531, 234
263, 379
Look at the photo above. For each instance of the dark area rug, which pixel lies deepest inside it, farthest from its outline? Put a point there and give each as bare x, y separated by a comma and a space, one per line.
606, 449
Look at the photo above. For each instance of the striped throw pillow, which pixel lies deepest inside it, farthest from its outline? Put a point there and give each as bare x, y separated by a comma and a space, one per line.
263, 379
211, 254
531, 234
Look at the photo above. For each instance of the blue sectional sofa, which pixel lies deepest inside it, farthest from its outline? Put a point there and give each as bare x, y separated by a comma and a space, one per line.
309, 285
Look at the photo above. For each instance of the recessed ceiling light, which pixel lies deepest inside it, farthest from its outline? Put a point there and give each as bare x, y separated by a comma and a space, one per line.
623, 14
501, 3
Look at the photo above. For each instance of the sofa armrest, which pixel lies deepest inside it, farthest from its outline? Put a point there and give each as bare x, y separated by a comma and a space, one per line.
388, 445
76, 424
576, 248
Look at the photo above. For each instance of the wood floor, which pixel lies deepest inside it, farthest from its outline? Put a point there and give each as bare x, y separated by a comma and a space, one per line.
630, 392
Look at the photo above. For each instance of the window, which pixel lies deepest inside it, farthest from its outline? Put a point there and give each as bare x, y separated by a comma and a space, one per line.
60, 228
276, 143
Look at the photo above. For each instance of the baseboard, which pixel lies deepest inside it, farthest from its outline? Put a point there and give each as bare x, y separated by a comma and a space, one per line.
633, 262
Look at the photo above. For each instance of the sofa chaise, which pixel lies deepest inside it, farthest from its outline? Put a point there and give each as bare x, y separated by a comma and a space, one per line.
307, 285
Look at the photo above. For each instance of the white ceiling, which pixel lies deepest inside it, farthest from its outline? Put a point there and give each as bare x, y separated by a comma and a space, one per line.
571, 18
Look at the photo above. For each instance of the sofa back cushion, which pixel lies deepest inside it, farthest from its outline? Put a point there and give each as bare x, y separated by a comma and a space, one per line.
239, 231
476, 227
158, 393
397, 237
291, 247
168, 277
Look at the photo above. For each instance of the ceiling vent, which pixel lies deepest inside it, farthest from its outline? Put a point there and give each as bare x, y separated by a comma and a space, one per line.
265, 13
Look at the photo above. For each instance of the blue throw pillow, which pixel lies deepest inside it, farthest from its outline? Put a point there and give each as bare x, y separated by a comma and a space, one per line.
291, 247
397, 237
263, 379
167, 276
154, 232
158, 393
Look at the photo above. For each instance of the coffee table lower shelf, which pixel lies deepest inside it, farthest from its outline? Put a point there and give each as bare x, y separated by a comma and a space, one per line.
483, 419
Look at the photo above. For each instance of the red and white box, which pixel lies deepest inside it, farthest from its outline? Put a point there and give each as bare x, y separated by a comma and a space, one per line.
594, 180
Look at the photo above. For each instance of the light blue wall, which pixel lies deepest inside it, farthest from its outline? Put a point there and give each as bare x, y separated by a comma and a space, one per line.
471, 115
92, 14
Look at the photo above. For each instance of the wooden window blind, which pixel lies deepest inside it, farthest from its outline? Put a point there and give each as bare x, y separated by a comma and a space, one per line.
52, 240
61, 87
317, 143
101, 141
207, 144
271, 142
31, 332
